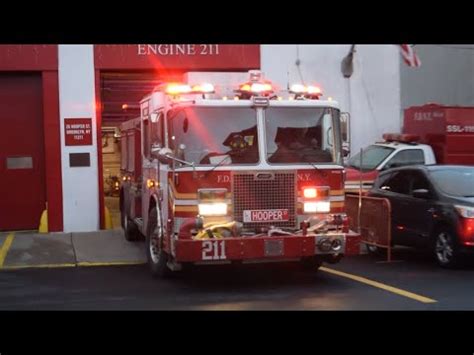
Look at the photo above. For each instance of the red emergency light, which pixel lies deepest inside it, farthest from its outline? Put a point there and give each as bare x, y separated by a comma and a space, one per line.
402, 138
256, 86
182, 89
308, 91
260, 88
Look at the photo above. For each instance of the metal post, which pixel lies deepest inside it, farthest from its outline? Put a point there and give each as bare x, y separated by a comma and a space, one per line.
360, 193
389, 246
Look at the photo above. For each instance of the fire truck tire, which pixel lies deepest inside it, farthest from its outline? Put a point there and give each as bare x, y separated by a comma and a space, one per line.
130, 229
156, 257
311, 263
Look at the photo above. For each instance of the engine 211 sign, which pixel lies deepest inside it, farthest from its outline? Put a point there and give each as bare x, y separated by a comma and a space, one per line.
78, 131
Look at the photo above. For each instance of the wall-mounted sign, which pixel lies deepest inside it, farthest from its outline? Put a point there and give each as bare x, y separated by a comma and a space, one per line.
164, 57
78, 131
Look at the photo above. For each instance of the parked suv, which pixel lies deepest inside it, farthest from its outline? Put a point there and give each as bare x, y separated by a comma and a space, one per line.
432, 208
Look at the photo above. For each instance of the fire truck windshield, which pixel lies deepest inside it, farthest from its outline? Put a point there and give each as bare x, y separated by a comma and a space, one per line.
214, 135
302, 135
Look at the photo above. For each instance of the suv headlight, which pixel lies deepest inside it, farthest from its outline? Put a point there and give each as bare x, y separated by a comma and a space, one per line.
465, 211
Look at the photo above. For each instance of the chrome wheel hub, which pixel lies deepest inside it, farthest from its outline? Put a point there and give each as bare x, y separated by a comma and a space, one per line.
444, 248
154, 246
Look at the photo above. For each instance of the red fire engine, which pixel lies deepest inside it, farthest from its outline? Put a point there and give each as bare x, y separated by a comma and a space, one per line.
247, 177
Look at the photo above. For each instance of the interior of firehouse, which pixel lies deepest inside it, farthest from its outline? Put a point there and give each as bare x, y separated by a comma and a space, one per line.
120, 94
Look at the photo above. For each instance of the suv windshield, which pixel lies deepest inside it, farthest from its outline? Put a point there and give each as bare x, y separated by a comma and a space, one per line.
302, 135
456, 181
214, 135
372, 156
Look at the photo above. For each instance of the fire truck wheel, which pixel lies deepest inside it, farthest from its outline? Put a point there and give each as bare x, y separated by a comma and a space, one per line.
157, 258
131, 231
311, 263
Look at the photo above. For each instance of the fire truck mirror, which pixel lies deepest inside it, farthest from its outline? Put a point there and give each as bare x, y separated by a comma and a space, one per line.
345, 151
344, 117
164, 155
329, 137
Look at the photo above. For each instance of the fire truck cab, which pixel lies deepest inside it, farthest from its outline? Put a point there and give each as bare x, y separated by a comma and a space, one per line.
245, 175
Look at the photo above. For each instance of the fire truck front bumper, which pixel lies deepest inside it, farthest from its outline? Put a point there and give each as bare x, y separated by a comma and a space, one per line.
265, 248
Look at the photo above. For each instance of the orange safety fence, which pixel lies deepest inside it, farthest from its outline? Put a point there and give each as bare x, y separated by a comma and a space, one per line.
373, 222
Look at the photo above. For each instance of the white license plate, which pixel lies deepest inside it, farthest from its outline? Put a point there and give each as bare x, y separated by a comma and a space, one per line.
266, 216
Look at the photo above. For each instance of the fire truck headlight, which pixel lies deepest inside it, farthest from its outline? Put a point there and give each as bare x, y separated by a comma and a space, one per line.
317, 207
213, 209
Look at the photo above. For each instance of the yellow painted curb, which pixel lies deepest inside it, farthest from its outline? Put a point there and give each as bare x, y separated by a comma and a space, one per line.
112, 263
69, 265
5, 247
39, 266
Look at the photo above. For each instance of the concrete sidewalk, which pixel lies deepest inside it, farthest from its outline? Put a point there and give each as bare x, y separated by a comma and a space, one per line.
26, 250
32, 250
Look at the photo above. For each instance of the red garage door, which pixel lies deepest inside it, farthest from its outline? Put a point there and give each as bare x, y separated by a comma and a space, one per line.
22, 178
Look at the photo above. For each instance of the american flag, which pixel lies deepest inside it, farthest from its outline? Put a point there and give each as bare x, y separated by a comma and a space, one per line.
409, 56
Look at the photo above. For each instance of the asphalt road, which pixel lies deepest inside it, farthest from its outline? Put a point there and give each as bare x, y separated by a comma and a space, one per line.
252, 287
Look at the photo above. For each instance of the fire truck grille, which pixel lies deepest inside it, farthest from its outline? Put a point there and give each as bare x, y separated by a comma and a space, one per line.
265, 191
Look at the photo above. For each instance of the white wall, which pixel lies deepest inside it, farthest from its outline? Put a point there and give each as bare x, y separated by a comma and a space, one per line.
374, 96
77, 100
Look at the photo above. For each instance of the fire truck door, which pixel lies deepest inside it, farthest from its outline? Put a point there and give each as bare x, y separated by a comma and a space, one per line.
152, 136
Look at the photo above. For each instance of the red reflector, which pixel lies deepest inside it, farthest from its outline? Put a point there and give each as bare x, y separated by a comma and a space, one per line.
466, 230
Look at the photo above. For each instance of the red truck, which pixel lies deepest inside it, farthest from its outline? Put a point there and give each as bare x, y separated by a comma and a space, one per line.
251, 177
431, 134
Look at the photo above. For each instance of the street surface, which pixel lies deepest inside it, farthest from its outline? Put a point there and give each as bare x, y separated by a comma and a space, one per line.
412, 282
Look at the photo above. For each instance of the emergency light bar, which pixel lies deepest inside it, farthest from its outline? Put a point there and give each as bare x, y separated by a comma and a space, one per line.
180, 89
309, 91
403, 138
256, 88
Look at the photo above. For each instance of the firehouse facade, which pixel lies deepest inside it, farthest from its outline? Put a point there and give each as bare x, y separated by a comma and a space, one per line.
55, 101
